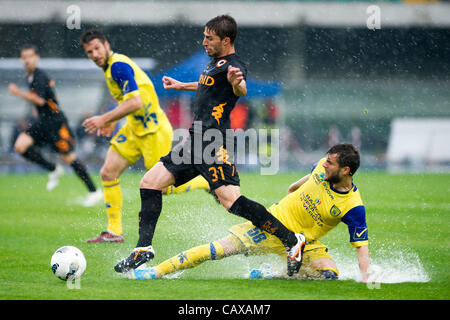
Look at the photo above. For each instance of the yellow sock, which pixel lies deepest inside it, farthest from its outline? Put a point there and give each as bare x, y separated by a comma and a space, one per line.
197, 183
113, 202
191, 258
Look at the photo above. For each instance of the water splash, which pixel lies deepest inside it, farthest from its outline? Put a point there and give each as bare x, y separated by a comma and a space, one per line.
387, 266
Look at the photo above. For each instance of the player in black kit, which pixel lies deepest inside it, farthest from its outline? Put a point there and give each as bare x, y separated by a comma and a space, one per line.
51, 127
219, 87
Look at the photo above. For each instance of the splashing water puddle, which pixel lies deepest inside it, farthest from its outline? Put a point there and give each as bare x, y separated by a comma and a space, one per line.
386, 267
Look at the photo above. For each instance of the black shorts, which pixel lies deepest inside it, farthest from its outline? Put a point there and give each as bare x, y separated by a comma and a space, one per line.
54, 133
188, 160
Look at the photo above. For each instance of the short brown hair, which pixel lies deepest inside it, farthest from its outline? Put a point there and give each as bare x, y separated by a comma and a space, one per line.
30, 46
347, 156
223, 26
90, 35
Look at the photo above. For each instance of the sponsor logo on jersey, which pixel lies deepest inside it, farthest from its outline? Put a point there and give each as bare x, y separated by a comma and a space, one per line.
206, 80
309, 205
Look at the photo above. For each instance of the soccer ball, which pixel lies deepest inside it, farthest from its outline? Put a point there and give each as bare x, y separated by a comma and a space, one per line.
68, 263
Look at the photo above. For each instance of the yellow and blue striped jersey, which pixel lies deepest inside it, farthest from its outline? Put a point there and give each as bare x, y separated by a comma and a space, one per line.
316, 207
125, 80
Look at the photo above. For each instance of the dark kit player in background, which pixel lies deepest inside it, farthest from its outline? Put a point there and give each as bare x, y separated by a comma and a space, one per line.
219, 87
51, 127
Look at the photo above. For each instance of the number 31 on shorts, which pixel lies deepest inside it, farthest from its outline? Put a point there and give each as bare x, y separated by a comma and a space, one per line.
215, 173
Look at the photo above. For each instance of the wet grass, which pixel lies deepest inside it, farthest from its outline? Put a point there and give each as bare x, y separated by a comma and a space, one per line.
407, 214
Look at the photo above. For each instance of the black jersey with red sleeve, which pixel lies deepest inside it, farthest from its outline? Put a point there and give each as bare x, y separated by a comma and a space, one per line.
215, 99
42, 85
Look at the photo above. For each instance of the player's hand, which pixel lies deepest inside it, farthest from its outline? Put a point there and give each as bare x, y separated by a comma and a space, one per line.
13, 89
234, 75
94, 124
364, 277
171, 83
107, 130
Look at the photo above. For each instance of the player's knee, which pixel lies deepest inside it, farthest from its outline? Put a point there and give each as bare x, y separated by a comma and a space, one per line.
20, 149
154, 184
106, 174
147, 185
227, 195
157, 178
68, 157
22, 143
147, 182
225, 202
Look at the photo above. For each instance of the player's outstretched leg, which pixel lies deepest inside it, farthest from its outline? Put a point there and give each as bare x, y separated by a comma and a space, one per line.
148, 216
191, 258
263, 219
156, 179
151, 205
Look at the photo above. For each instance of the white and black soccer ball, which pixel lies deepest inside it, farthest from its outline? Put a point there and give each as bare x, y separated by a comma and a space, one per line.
68, 263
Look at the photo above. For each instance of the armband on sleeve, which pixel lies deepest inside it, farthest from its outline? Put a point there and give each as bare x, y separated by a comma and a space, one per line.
355, 219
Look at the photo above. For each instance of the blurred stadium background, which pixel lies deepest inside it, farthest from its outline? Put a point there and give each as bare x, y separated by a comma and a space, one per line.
320, 71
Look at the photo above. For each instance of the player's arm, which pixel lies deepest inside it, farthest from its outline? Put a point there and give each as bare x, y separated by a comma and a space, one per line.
359, 238
364, 261
29, 96
297, 184
171, 83
237, 80
104, 124
128, 106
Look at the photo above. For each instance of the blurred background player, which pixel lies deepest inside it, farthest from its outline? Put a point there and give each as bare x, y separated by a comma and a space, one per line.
147, 132
315, 204
51, 128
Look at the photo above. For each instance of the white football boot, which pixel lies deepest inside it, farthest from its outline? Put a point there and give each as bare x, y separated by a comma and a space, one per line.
53, 177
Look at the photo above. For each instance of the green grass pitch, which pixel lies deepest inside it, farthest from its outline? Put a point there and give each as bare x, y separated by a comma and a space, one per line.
408, 217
